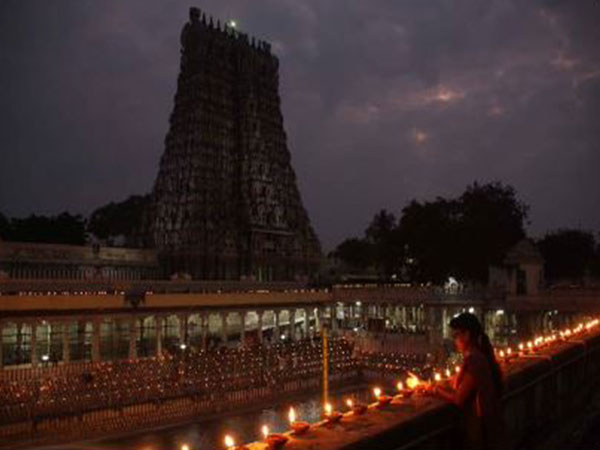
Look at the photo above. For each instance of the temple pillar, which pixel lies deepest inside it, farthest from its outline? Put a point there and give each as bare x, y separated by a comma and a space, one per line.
334, 322
260, 326
276, 332
183, 320
243, 316
292, 324
132, 338
66, 347
224, 327
318, 320
33, 345
305, 327
158, 321
204, 324
96, 324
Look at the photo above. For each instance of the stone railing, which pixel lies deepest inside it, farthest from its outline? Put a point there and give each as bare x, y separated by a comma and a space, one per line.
549, 395
91, 287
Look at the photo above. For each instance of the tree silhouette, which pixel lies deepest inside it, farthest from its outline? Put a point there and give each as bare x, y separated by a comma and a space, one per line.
5, 229
356, 253
61, 229
568, 254
428, 231
491, 221
383, 235
433, 240
125, 218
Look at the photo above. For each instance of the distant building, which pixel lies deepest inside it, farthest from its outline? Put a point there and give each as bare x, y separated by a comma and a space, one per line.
226, 204
25, 260
522, 271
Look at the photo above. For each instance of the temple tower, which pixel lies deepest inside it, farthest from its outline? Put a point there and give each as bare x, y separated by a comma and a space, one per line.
225, 202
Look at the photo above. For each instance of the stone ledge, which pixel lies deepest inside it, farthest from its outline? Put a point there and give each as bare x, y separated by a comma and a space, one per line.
543, 402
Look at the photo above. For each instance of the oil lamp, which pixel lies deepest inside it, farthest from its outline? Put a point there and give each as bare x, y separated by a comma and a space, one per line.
402, 391
412, 382
273, 440
358, 409
331, 416
382, 400
230, 444
298, 427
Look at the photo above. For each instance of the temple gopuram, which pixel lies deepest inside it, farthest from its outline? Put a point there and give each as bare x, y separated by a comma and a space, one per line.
226, 204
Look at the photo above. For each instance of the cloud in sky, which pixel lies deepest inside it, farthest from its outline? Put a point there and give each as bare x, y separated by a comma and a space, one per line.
383, 101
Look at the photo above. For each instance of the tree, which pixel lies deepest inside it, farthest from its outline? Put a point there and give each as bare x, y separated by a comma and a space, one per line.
5, 228
491, 220
461, 237
356, 253
568, 254
125, 218
595, 269
383, 235
62, 229
428, 232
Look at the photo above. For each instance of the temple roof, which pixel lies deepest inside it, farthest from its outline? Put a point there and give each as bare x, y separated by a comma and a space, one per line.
524, 251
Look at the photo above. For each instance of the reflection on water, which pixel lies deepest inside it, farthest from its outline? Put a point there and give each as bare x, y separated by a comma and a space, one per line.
208, 434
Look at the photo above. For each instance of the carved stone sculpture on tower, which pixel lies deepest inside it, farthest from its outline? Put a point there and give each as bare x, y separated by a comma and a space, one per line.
226, 203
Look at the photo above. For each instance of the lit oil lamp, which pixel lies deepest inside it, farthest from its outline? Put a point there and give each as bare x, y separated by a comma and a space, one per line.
447, 373
331, 416
529, 347
402, 391
437, 377
230, 444
273, 440
298, 427
521, 348
457, 369
382, 399
412, 382
185, 447
358, 409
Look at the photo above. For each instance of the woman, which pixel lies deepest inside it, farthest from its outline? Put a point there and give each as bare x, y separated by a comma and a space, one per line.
477, 387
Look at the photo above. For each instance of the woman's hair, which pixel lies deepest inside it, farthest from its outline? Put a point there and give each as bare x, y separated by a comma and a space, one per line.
470, 322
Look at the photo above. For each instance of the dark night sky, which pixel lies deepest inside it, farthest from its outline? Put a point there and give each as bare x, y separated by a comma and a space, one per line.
384, 101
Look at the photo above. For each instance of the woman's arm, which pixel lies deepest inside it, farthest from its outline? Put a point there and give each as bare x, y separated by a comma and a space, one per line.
459, 396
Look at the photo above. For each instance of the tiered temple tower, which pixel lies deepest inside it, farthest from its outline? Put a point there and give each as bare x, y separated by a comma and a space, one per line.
225, 203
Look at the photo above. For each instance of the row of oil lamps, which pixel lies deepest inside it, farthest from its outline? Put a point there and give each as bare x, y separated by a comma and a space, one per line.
540, 342
405, 389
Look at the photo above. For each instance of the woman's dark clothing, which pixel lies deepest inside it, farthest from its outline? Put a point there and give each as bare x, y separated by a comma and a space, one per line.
482, 418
